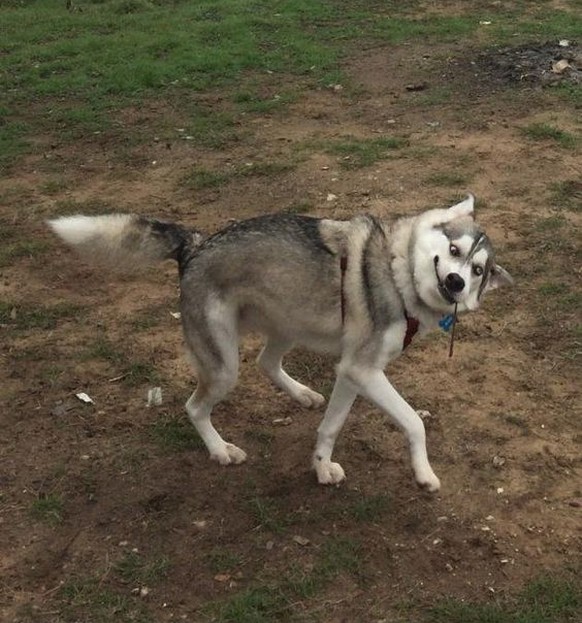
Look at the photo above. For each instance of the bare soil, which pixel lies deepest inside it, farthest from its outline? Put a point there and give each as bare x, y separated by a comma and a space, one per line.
504, 435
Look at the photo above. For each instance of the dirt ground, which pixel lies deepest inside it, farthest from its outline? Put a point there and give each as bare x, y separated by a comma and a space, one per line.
116, 497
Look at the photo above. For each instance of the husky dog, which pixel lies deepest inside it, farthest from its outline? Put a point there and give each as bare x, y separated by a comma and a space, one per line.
359, 289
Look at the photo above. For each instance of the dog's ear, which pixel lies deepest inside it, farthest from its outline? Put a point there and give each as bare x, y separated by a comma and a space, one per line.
499, 278
464, 208
442, 216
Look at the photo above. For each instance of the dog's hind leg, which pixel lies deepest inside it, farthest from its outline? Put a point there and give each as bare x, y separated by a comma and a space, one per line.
270, 360
214, 351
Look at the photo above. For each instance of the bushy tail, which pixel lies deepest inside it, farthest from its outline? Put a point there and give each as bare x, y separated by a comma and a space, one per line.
125, 241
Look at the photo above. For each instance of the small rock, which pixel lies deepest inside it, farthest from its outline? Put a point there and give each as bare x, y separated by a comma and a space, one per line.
144, 591
155, 397
200, 524
83, 397
500, 490
222, 577
575, 503
560, 66
283, 421
301, 540
498, 461
269, 545
331, 197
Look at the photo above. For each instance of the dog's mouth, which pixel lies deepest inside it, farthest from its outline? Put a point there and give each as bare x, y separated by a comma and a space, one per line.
443, 290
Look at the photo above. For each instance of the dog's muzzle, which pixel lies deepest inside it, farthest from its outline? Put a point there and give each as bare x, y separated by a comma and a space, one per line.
453, 283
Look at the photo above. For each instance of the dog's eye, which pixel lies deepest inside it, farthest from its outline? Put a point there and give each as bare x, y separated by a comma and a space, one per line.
454, 251
478, 270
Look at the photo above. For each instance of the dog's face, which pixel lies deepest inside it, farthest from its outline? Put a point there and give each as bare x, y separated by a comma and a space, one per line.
454, 261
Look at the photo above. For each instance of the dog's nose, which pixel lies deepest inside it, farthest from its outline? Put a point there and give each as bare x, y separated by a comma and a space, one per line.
454, 282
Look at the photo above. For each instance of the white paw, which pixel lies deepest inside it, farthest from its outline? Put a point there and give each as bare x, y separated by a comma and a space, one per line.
308, 398
229, 454
428, 481
328, 473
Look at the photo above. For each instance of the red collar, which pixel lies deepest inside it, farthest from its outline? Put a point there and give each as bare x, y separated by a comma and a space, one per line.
412, 324
411, 329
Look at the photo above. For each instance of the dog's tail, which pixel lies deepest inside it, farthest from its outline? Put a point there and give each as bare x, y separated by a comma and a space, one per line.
126, 241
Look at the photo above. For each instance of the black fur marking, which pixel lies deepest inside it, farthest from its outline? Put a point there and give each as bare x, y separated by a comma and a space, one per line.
374, 306
297, 227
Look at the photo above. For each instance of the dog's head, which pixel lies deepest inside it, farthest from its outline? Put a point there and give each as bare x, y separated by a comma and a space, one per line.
454, 260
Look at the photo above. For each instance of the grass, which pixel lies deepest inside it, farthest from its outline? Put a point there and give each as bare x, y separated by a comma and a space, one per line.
448, 178
176, 434
135, 569
24, 316
567, 195
547, 132
86, 599
367, 509
201, 178
267, 514
220, 560
356, 153
48, 508
548, 599
272, 602
87, 65
12, 252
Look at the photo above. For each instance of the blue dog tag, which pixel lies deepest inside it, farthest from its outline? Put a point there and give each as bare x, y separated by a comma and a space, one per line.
446, 322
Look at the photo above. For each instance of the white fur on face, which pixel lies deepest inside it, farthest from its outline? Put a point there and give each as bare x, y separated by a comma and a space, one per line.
432, 243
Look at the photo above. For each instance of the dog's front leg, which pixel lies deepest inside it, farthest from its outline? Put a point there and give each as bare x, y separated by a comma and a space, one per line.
342, 398
373, 385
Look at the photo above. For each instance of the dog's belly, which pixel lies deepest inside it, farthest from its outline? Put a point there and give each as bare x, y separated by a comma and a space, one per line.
317, 332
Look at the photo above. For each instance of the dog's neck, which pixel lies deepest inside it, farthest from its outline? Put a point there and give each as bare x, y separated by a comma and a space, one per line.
401, 251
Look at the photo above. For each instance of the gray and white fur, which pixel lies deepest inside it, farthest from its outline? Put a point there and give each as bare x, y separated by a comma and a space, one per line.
342, 287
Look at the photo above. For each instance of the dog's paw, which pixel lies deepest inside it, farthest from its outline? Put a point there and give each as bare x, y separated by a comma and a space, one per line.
308, 398
429, 482
229, 454
328, 473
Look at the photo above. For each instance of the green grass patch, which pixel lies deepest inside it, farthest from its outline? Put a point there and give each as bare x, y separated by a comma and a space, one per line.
86, 599
11, 252
220, 560
135, 569
139, 373
200, 178
367, 509
70, 72
549, 599
550, 224
553, 289
252, 102
25, 316
267, 514
272, 602
103, 348
448, 178
176, 434
257, 604
356, 153
548, 132
568, 195
48, 508
340, 555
